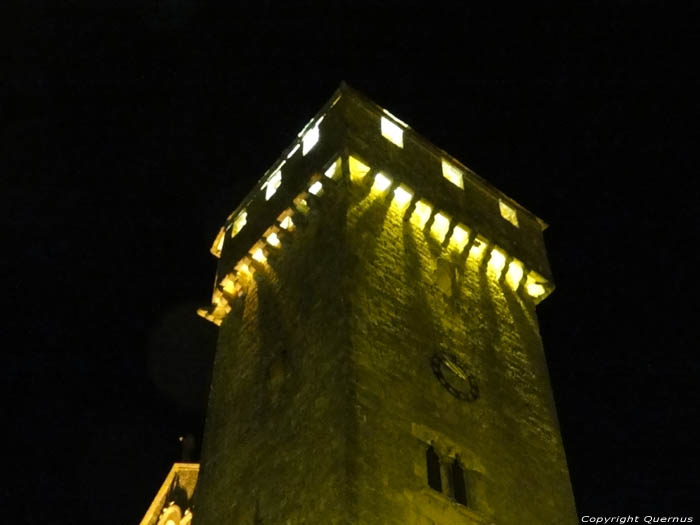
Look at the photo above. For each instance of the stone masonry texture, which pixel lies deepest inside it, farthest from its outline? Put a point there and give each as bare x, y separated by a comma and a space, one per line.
324, 399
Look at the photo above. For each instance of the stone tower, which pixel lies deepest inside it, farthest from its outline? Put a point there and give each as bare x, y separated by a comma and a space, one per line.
379, 359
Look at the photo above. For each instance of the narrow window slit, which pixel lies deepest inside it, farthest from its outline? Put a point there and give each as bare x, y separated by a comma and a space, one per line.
459, 487
433, 461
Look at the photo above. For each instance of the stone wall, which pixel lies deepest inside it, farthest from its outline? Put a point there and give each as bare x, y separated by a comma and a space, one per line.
366, 337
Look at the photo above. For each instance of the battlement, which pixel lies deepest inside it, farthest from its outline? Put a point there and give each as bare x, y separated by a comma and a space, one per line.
356, 146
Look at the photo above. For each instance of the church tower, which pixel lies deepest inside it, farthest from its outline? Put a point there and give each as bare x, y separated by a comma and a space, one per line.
379, 359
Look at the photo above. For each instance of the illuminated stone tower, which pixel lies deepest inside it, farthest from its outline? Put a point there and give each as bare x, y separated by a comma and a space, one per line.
379, 359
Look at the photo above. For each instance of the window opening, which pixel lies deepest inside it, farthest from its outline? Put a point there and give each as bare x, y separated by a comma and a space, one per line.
459, 486
433, 461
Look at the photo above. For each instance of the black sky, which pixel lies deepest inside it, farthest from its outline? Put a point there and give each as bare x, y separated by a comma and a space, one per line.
128, 136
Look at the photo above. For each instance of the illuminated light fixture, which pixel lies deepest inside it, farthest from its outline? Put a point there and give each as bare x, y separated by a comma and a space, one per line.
318, 122
273, 240
381, 182
441, 223
357, 169
478, 247
220, 312
219, 304
294, 150
259, 255
392, 132
316, 188
335, 100
272, 184
309, 140
460, 237
333, 172
217, 297
535, 289
285, 220
497, 262
228, 284
242, 267
301, 204
451, 173
257, 251
508, 213
210, 316
402, 196
218, 243
394, 117
305, 128
239, 222
534, 285
514, 274
287, 223
421, 213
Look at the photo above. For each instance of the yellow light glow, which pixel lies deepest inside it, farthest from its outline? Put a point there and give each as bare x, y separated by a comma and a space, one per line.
259, 255
287, 223
333, 172
535, 289
273, 240
357, 169
402, 196
453, 174
309, 140
301, 204
508, 213
228, 283
441, 223
381, 182
243, 268
460, 237
534, 285
217, 297
305, 128
497, 262
285, 219
421, 213
272, 184
478, 247
514, 274
392, 132
221, 310
316, 188
294, 150
218, 243
239, 222
395, 118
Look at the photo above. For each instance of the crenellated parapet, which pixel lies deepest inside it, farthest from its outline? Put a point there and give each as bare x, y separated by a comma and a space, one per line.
354, 146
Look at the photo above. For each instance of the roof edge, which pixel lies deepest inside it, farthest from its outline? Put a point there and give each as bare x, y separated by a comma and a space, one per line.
490, 188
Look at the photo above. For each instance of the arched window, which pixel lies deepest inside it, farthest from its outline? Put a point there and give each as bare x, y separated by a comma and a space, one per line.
433, 462
459, 486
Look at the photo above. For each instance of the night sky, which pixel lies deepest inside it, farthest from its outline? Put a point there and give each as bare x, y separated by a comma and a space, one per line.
129, 135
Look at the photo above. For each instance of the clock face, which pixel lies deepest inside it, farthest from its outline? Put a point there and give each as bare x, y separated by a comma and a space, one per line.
455, 377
